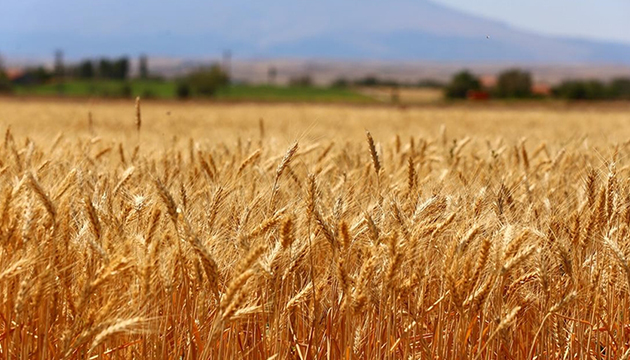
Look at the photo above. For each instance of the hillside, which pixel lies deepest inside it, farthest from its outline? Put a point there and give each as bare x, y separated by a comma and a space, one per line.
350, 30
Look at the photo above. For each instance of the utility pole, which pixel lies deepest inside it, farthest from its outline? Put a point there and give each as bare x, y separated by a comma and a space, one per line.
272, 73
144, 67
59, 71
227, 63
59, 68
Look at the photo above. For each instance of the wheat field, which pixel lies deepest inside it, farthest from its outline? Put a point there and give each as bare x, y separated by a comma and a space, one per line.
216, 231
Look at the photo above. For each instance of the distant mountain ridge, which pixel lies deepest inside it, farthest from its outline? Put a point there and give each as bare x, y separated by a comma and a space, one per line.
327, 29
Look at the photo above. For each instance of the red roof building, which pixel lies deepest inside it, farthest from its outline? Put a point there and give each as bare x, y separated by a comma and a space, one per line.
14, 73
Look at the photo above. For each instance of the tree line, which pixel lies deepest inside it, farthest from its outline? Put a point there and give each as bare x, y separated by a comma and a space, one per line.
202, 81
115, 69
518, 84
206, 81
103, 68
594, 89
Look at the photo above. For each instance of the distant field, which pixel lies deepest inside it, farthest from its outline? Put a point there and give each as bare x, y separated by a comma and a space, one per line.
404, 95
101, 88
32, 117
200, 230
167, 90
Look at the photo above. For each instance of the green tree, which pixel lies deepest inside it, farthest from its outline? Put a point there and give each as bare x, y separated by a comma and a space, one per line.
620, 88
514, 83
183, 90
581, 90
368, 81
5, 84
113, 69
120, 68
105, 67
42, 75
461, 83
206, 81
86, 69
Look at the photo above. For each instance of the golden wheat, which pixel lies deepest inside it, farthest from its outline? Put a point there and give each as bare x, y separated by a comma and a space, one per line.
216, 236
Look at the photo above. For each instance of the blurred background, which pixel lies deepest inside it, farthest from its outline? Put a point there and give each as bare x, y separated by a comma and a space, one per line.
400, 52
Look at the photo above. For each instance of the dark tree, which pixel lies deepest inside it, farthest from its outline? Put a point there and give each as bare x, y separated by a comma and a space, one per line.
183, 90
620, 88
514, 83
120, 68
86, 69
461, 83
38, 75
5, 84
581, 90
114, 69
105, 68
368, 81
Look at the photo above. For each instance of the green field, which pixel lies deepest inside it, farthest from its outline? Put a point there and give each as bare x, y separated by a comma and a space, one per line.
167, 90
102, 88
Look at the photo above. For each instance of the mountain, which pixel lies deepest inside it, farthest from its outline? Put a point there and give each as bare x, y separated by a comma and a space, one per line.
326, 29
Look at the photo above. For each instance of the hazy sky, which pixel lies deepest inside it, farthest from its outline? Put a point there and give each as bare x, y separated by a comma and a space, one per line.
592, 19
250, 27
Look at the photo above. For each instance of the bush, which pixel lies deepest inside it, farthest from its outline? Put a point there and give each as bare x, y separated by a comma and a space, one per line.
34, 76
126, 91
301, 81
85, 69
206, 81
148, 94
461, 84
61, 88
183, 90
581, 90
370, 81
514, 84
340, 83
5, 84
620, 88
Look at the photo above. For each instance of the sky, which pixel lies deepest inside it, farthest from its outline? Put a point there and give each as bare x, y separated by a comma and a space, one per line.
180, 27
593, 19
590, 19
